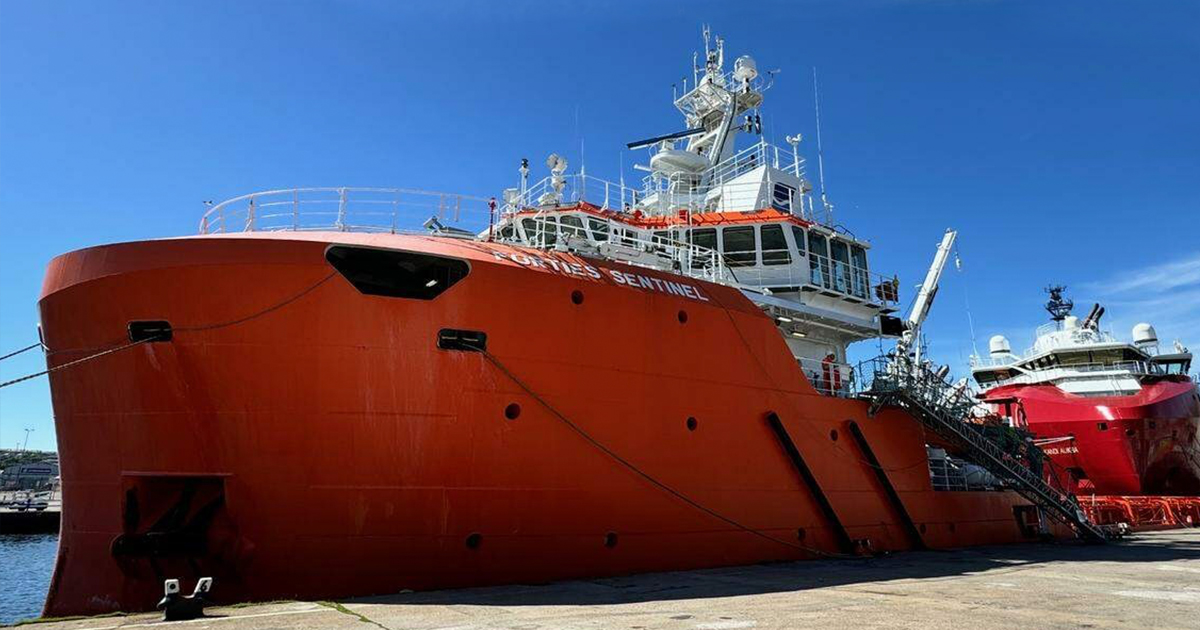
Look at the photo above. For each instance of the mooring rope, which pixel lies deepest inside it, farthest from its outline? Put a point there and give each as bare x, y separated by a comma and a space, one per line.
25, 349
76, 362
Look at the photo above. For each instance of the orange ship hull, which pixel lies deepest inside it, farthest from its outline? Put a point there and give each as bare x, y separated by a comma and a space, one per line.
297, 438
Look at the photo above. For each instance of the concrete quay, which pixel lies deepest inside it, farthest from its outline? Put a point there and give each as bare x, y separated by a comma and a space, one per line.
1150, 580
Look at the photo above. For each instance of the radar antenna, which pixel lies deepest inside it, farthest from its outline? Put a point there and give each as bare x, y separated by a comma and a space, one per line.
1058, 306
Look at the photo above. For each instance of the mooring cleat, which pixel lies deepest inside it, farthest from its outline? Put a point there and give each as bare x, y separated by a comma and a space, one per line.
177, 607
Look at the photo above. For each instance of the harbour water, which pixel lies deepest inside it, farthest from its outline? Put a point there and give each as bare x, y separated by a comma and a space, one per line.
26, 562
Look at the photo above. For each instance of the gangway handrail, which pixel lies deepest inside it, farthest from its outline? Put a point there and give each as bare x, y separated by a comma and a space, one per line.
944, 408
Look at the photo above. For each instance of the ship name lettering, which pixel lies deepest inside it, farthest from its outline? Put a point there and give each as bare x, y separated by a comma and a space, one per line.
560, 266
657, 284
628, 279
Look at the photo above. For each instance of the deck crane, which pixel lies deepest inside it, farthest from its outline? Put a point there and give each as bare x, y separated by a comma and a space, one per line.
909, 340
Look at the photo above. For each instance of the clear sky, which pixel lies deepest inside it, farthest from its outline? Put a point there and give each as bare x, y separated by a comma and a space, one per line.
1061, 138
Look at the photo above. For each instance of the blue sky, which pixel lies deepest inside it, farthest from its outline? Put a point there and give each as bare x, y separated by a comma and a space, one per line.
1062, 139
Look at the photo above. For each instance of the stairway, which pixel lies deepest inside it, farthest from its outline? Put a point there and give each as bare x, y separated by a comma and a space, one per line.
943, 408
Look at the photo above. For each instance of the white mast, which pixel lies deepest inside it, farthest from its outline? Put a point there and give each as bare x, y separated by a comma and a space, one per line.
820, 152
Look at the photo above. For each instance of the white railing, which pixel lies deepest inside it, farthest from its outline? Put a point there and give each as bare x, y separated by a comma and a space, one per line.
544, 231
749, 269
662, 197
761, 153
1002, 360
690, 192
795, 269
576, 188
1042, 375
394, 210
725, 81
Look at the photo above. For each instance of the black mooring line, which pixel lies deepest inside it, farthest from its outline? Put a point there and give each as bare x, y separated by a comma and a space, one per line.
843, 538
888, 488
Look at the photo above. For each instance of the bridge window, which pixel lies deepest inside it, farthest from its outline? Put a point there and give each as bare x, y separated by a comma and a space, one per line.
798, 236
706, 237
625, 236
782, 196
818, 260
572, 226
543, 230
860, 282
840, 253
774, 246
599, 229
739, 246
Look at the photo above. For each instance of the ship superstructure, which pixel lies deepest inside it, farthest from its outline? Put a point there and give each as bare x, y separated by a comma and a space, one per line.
1120, 417
741, 216
316, 398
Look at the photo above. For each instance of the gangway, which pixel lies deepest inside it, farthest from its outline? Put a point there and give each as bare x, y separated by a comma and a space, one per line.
898, 381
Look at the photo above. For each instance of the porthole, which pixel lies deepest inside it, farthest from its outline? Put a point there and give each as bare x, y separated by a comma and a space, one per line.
474, 540
800, 534
683, 317
577, 297
610, 540
833, 435
922, 528
692, 423
951, 528
513, 411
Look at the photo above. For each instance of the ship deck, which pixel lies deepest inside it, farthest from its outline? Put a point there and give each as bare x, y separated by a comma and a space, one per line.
1148, 580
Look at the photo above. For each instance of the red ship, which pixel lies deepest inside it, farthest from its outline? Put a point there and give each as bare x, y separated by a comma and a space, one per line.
1117, 417
309, 400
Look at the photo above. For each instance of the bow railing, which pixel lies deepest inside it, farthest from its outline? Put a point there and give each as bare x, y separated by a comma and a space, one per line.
344, 209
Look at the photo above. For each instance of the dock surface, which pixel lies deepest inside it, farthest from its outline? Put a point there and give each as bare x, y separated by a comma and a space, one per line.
1151, 580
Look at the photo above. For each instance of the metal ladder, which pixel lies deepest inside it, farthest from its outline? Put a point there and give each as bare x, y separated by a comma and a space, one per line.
943, 408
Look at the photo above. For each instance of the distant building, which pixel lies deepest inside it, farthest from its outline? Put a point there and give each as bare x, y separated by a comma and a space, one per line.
29, 476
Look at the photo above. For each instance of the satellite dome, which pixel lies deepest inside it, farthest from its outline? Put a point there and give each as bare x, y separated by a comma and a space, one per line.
999, 345
1144, 335
744, 68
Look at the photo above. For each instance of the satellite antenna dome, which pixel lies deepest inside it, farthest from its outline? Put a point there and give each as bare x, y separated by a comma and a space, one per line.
999, 345
556, 163
744, 68
1144, 335
511, 195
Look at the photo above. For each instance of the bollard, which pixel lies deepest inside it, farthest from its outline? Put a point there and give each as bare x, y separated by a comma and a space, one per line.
177, 607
